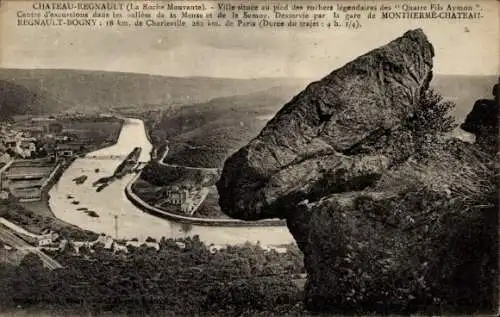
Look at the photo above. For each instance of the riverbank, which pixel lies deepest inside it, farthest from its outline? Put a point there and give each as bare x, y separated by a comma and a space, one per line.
137, 201
36, 216
120, 218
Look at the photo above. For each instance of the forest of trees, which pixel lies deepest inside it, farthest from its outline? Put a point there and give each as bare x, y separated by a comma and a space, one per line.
169, 281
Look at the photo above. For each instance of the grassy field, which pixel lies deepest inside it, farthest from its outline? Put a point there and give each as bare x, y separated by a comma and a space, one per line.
160, 175
185, 154
96, 132
210, 207
147, 191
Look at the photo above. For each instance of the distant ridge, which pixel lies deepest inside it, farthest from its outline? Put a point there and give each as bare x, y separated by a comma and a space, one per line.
45, 91
18, 100
83, 90
152, 75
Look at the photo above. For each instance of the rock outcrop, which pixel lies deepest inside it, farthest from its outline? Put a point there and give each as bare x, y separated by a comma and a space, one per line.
380, 229
483, 120
328, 122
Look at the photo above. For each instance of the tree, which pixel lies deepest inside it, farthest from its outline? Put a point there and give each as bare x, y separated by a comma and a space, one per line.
31, 261
30, 280
430, 121
7, 273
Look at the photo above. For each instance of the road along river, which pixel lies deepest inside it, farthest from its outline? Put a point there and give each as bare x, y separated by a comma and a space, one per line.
66, 197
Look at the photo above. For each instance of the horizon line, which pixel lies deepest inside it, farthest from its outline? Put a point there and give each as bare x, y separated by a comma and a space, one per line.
151, 74
205, 76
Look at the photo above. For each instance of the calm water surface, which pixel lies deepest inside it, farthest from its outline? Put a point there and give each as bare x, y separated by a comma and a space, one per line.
131, 221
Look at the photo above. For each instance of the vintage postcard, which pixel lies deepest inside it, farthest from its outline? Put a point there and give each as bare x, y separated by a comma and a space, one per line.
248, 158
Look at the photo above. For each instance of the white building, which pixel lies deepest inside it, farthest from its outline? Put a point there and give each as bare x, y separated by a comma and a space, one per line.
176, 196
26, 148
44, 240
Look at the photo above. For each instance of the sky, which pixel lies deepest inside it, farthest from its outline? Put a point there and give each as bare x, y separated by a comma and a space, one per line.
469, 48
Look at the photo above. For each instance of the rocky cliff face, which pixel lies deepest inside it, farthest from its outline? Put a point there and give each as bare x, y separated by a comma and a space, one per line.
375, 222
319, 131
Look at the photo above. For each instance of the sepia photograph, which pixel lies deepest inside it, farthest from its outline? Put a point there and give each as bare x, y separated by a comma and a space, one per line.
249, 158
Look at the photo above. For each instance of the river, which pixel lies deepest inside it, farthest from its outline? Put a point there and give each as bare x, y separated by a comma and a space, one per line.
131, 222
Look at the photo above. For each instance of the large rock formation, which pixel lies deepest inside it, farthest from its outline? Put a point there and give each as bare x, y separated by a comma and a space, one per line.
380, 227
320, 130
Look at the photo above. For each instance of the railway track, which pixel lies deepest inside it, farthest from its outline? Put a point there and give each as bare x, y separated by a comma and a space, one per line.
14, 241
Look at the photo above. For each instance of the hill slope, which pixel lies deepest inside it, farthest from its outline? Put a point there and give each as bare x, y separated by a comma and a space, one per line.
45, 91
17, 99
84, 91
204, 134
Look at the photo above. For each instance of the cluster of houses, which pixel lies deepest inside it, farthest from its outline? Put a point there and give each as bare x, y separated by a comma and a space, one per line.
28, 152
49, 238
181, 198
109, 243
38, 137
17, 142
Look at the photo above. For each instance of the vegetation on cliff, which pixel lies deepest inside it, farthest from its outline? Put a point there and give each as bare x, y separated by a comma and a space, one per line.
392, 215
444, 206
441, 202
